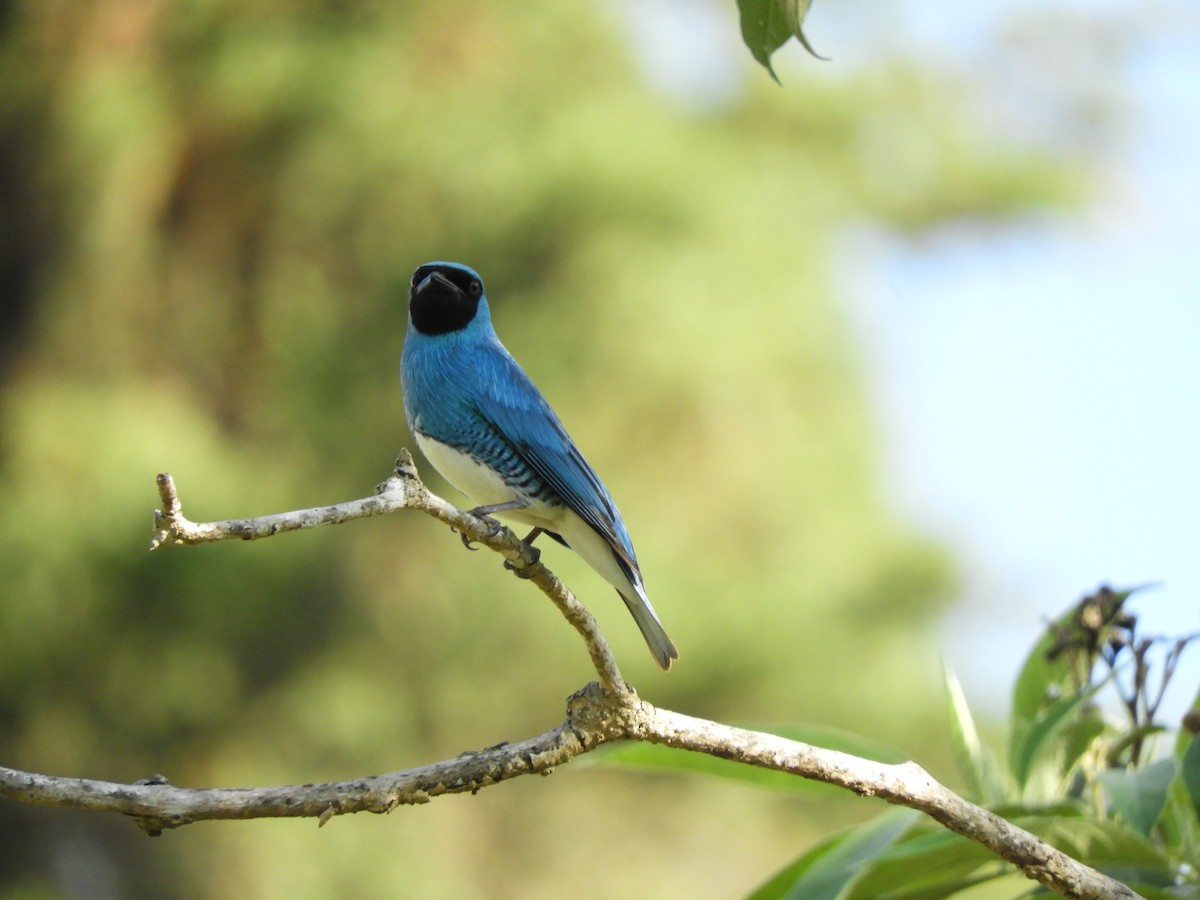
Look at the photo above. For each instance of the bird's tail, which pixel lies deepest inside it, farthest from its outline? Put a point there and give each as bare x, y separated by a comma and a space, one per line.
661, 647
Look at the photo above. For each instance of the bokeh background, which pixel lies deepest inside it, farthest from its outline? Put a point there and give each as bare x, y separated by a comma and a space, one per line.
814, 337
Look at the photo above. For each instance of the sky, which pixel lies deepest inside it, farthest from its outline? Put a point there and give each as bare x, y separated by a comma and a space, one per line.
1037, 384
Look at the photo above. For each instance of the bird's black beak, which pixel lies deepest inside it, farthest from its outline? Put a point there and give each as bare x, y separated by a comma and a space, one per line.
441, 280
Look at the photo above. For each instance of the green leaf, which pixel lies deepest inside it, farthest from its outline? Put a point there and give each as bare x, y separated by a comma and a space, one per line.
1139, 795
657, 757
1037, 744
941, 887
1078, 737
826, 871
1183, 739
1179, 825
768, 24
1062, 809
1189, 773
926, 864
975, 760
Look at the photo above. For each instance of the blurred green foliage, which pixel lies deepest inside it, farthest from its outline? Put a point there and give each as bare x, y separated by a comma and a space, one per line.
209, 213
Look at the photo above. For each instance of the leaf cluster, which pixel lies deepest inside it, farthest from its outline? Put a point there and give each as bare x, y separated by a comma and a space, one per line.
1081, 780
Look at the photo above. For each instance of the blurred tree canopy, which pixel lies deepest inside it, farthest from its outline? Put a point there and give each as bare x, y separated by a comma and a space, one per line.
209, 213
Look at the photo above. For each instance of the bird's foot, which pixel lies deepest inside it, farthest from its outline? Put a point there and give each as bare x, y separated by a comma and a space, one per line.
525, 569
521, 572
485, 513
494, 527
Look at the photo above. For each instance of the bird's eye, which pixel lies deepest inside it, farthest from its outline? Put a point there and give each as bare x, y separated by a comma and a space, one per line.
475, 288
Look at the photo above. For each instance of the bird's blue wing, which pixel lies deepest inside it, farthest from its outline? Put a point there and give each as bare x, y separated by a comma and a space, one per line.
516, 409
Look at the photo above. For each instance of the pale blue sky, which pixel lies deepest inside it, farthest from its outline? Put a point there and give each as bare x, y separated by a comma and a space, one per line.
1038, 384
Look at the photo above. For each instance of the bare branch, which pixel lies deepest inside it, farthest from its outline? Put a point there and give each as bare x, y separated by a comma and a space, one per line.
598, 714
594, 717
157, 805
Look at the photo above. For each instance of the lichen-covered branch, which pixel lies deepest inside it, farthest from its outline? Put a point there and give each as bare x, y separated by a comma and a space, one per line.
598, 714
157, 805
595, 717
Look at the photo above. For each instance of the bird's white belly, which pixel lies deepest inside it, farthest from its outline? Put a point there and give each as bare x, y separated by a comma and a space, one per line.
483, 486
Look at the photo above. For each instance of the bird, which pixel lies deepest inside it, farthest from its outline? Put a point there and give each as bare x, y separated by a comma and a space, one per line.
481, 422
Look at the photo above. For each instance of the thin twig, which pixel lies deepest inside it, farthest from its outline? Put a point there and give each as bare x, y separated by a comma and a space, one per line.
402, 490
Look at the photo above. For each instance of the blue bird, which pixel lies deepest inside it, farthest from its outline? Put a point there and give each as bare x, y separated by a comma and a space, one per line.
481, 422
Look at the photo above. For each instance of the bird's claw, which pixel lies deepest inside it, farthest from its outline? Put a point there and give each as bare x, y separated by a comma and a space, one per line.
494, 529
525, 570
520, 571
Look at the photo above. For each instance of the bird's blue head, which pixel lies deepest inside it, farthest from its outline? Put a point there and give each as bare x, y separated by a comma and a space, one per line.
445, 298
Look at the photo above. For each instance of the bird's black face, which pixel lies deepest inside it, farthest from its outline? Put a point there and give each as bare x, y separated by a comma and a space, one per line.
444, 298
